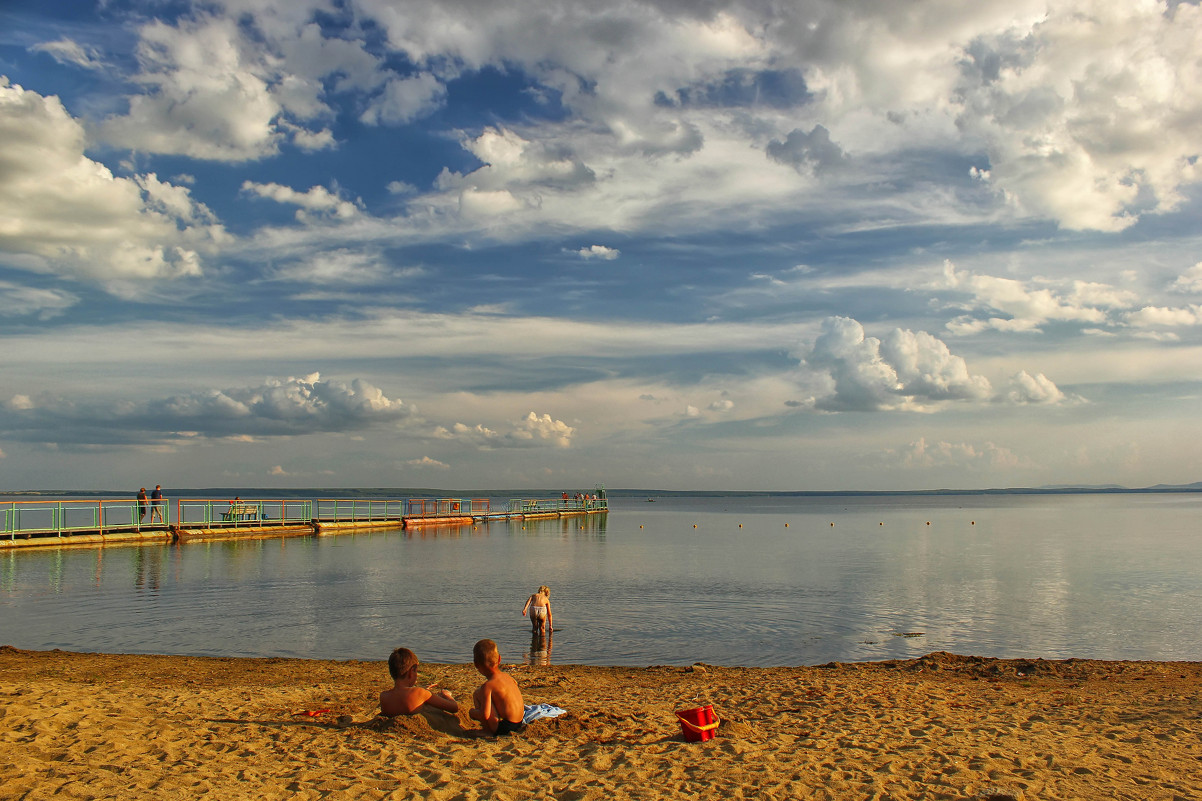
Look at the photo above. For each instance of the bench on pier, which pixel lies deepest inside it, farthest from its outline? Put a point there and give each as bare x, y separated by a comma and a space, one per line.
241, 511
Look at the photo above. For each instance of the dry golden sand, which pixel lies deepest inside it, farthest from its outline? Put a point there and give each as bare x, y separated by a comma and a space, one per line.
939, 727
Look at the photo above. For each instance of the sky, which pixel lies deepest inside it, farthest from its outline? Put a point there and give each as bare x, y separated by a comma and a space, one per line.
676, 244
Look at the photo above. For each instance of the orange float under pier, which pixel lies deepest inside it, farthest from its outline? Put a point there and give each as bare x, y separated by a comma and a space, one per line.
446, 511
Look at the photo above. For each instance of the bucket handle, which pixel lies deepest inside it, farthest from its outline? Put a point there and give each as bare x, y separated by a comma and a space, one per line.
697, 728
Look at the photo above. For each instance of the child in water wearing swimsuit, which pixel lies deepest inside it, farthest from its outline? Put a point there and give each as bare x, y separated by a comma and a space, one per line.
497, 704
539, 605
405, 697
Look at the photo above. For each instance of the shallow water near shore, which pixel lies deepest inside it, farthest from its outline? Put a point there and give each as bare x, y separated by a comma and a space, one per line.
724, 580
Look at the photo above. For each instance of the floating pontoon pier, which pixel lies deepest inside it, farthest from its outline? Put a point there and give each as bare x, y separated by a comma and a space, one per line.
92, 522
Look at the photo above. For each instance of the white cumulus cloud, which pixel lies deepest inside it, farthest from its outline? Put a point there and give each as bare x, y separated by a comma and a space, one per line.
1190, 280
235, 87
962, 455
316, 199
1089, 112
1006, 304
278, 407
532, 430
427, 463
599, 252
405, 99
208, 95
1169, 317
61, 212
905, 370
1038, 389
544, 428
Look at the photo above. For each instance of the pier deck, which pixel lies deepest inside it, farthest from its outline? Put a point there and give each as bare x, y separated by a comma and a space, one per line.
72, 523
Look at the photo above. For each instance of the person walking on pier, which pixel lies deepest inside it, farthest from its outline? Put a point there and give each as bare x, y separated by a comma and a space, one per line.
141, 505
156, 503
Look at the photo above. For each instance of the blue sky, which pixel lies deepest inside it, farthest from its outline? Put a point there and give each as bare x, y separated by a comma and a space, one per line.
813, 245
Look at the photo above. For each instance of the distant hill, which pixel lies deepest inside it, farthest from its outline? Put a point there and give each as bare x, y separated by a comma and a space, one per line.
1195, 487
1082, 487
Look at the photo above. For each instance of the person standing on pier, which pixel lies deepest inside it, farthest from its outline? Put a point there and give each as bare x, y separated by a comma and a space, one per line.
156, 503
141, 505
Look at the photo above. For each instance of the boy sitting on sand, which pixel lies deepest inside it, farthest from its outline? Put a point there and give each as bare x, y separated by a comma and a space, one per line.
405, 697
497, 704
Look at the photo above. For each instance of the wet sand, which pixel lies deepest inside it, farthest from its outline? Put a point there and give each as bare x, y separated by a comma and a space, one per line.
939, 727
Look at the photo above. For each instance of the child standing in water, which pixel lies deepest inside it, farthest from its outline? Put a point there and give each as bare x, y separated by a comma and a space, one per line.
539, 605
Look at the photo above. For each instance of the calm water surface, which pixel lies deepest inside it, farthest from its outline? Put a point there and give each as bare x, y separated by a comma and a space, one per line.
728, 580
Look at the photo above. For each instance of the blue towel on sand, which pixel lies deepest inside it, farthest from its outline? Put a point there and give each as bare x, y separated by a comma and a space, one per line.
538, 711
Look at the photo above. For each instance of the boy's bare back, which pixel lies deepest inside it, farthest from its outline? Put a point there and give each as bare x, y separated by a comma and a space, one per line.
408, 700
405, 698
497, 704
504, 697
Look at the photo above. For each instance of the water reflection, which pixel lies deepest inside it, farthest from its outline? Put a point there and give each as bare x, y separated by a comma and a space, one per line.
445, 532
591, 527
540, 649
148, 569
726, 581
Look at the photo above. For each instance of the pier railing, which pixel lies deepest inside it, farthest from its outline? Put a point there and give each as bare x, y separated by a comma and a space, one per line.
346, 511
65, 517
218, 513
447, 507
540, 506
127, 517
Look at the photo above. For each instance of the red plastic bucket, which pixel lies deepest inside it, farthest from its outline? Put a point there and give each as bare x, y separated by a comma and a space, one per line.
698, 725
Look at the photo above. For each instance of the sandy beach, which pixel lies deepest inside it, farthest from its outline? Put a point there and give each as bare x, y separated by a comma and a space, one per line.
939, 727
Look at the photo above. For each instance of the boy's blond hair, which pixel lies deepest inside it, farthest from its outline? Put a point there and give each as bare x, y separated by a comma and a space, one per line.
401, 661
485, 653
545, 590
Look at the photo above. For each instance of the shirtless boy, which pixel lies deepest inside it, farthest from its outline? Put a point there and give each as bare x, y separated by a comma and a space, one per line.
405, 697
497, 704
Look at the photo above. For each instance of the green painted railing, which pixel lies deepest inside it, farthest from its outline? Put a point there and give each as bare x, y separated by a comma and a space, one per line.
61, 518
219, 513
534, 507
347, 511
65, 517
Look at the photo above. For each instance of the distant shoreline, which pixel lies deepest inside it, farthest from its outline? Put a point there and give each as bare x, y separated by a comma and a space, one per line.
425, 492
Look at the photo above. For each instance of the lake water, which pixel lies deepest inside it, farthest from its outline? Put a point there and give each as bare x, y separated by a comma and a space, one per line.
723, 580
